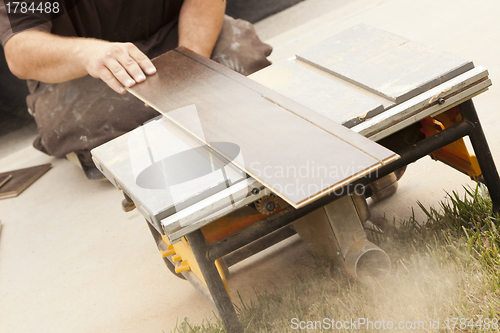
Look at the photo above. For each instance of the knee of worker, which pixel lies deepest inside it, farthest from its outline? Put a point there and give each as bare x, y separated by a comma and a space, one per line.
82, 114
239, 47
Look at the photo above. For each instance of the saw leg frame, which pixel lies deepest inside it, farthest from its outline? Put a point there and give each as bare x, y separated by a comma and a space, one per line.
214, 282
483, 153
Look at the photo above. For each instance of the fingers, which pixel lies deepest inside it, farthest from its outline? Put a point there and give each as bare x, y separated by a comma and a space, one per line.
145, 64
111, 81
135, 64
120, 72
125, 66
129, 57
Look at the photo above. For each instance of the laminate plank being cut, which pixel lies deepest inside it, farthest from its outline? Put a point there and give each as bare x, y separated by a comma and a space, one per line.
297, 158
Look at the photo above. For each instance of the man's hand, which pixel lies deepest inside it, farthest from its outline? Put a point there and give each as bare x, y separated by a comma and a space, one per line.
119, 65
49, 58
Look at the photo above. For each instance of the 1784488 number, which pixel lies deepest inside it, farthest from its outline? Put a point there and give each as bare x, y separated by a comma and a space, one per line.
25, 7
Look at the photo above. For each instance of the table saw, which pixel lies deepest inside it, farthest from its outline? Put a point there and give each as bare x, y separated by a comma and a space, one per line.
201, 182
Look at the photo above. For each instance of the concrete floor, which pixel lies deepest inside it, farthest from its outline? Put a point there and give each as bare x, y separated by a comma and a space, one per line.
72, 261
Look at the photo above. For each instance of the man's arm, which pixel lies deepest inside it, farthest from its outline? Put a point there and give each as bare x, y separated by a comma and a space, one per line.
200, 22
49, 58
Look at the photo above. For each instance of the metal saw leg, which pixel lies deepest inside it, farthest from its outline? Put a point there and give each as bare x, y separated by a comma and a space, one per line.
483, 153
214, 282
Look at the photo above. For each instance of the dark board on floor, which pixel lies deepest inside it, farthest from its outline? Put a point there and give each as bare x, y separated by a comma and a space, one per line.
16, 181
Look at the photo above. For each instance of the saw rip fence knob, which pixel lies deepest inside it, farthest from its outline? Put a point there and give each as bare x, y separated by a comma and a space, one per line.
267, 205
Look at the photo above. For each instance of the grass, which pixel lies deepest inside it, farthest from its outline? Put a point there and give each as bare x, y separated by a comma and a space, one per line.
445, 267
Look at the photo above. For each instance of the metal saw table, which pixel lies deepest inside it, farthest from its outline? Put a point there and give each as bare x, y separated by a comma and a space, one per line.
409, 98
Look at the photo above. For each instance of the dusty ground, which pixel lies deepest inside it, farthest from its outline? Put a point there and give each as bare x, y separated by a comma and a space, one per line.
72, 261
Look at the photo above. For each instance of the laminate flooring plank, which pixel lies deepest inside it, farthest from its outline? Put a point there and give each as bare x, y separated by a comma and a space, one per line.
16, 181
386, 64
322, 92
328, 124
295, 158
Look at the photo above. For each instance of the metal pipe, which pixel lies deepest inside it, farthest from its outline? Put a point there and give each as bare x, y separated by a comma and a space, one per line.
336, 231
483, 154
259, 245
426, 147
214, 282
366, 260
362, 258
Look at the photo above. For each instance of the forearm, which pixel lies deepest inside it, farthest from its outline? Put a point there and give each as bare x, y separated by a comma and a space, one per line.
49, 58
45, 57
200, 22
